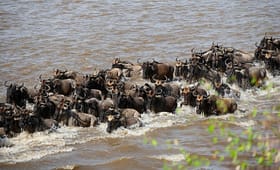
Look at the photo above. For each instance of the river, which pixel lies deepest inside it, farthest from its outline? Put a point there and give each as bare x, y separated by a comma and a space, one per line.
39, 36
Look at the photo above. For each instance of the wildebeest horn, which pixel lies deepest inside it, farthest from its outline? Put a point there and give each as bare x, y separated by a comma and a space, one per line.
207, 95
48, 88
56, 71
95, 72
159, 91
40, 78
153, 78
5, 84
228, 63
194, 93
165, 78
192, 50
22, 84
138, 60
256, 44
192, 88
35, 87
116, 60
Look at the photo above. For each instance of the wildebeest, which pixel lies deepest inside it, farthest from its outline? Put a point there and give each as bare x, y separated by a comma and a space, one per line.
190, 94
267, 46
224, 90
127, 88
97, 81
200, 70
256, 76
127, 118
105, 106
45, 108
64, 74
161, 70
129, 69
268, 51
35, 123
82, 92
181, 69
16, 94
168, 89
65, 86
71, 117
128, 101
215, 105
217, 57
114, 73
161, 103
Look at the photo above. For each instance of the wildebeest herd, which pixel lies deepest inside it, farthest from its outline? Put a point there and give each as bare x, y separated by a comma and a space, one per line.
110, 96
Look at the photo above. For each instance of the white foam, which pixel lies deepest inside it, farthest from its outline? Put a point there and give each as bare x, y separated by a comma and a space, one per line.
247, 123
34, 146
170, 157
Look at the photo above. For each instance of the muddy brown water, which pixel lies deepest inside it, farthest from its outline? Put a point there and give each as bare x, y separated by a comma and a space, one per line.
39, 36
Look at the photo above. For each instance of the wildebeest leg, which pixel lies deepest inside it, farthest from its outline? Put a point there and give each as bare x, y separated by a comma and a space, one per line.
93, 121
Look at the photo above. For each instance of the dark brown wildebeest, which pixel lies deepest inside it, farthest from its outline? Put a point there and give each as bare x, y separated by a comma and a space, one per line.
16, 94
161, 103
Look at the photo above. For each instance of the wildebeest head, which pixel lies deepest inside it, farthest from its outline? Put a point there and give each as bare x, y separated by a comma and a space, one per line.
147, 70
200, 98
114, 122
31, 123
60, 74
45, 108
158, 82
123, 101
146, 91
178, 67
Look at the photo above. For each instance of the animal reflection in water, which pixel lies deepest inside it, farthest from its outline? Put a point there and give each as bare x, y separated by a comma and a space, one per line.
108, 96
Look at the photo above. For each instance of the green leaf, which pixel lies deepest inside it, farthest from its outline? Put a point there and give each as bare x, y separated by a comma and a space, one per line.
211, 128
260, 160
166, 167
236, 140
241, 148
248, 146
197, 163
222, 158
154, 142
254, 112
265, 113
234, 155
244, 165
180, 166
215, 140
